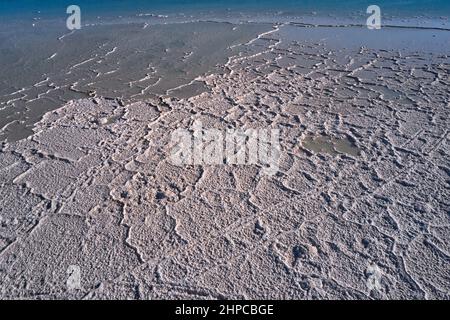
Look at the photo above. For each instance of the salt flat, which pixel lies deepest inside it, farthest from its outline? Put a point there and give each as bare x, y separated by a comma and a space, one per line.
358, 209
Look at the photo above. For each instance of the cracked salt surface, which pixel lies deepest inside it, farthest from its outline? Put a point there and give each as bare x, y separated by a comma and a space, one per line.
104, 196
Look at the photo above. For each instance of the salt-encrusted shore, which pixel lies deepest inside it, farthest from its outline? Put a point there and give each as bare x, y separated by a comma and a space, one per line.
359, 208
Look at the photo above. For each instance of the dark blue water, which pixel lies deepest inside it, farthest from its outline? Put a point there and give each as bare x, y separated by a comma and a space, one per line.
55, 8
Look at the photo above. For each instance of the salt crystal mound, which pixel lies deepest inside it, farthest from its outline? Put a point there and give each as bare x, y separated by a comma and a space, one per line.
94, 187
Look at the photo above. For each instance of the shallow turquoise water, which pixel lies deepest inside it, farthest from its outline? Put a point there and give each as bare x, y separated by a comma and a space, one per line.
121, 7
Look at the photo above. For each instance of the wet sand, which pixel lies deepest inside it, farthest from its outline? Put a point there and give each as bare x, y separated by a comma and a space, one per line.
358, 210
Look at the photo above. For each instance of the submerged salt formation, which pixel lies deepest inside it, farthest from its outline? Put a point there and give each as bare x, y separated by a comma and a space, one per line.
126, 61
94, 187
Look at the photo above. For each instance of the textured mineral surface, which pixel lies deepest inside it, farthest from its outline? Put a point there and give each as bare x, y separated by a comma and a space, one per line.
358, 209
